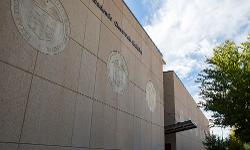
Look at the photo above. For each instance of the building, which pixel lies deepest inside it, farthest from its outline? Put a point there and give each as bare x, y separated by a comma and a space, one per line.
179, 107
78, 75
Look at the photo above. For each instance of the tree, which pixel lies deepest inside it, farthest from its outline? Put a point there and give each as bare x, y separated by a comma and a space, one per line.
235, 143
225, 87
212, 142
247, 146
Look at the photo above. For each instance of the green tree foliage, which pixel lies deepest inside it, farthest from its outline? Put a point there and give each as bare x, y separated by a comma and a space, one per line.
247, 146
213, 142
235, 143
225, 87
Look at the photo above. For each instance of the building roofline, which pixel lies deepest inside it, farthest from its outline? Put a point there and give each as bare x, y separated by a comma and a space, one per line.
185, 89
142, 27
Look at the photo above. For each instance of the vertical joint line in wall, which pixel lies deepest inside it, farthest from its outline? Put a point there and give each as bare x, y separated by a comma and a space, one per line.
72, 133
85, 25
79, 73
27, 101
91, 123
99, 34
97, 58
95, 83
76, 94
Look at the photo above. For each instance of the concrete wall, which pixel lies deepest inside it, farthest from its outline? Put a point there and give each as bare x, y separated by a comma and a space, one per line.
182, 107
67, 101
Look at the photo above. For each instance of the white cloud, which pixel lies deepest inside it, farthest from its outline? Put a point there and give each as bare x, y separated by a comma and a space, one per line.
187, 31
151, 6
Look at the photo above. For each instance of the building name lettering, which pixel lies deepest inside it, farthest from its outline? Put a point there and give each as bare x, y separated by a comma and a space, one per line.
109, 16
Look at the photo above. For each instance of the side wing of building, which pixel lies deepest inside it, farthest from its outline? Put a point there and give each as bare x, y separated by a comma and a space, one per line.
179, 107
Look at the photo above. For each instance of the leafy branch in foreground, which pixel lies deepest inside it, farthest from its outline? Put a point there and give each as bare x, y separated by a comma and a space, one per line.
212, 142
225, 87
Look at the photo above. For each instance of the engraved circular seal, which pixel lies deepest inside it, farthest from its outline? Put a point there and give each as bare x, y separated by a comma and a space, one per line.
151, 96
117, 72
42, 23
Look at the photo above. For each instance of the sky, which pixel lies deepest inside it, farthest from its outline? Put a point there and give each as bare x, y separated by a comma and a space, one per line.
187, 31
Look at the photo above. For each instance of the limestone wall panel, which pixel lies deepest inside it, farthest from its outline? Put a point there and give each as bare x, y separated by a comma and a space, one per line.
96, 10
104, 127
14, 49
93, 26
108, 43
113, 10
53, 67
50, 116
87, 73
14, 90
77, 13
103, 89
8, 146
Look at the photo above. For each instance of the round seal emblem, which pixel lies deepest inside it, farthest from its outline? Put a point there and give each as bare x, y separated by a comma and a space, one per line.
151, 95
42, 23
117, 72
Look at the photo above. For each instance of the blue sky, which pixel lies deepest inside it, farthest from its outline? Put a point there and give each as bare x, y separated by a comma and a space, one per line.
143, 9
187, 31
140, 12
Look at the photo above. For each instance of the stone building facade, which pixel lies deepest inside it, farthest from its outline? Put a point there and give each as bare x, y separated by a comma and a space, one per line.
78, 75
180, 106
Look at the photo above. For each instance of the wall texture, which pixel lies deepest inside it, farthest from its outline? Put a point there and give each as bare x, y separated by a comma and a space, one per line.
179, 107
71, 80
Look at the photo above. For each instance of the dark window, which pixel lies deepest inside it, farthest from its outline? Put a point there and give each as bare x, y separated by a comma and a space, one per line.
167, 146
